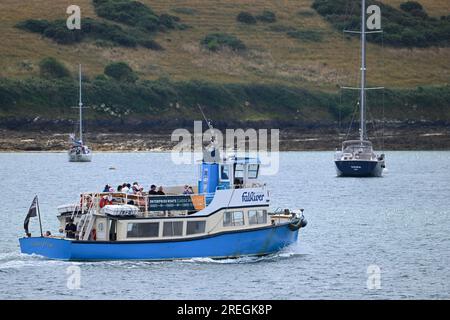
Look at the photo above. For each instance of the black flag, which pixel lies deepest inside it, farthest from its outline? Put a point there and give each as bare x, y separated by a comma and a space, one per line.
32, 212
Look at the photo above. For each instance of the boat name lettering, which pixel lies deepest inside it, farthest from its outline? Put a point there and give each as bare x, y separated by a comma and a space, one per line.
252, 197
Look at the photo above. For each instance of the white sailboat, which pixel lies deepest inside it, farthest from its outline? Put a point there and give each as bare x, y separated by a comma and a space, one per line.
79, 151
357, 158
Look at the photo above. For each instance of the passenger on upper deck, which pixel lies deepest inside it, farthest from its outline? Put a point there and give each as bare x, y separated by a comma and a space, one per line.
130, 189
188, 190
152, 190
160, 191
105, 200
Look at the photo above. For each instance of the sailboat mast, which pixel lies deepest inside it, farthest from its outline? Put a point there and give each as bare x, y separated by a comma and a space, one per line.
362, 103
80, 104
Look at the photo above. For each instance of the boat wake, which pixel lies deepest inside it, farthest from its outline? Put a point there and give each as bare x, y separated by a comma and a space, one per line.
16, 260
288, 252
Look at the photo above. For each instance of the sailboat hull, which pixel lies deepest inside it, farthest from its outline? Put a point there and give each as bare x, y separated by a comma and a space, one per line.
359, 168
80, 157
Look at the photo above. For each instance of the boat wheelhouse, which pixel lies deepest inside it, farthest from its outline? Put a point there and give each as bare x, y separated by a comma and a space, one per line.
227, 216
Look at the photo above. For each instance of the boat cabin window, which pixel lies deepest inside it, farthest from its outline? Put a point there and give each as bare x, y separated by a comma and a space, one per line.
194, 227
224, 172
238, 175
239, 171
173, 228
257, 216
233, 218
253, 171
143, 230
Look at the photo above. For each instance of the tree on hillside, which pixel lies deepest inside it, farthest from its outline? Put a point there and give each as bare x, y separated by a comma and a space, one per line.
120, 71
50, 68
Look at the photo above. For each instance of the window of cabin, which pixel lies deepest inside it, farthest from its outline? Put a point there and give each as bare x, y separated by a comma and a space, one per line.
257, 216
194, 227
173, 228
143, 230
233, 218
239, 171
262, 216
252, 217
253, 171
224, 172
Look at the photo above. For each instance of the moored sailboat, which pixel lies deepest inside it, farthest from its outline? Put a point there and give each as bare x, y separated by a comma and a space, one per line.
79, 151
357, 157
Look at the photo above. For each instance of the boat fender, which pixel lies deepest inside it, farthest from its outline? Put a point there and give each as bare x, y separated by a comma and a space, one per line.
297, 223
303, 223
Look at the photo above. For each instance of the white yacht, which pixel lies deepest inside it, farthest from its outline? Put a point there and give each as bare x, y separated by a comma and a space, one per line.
79, 151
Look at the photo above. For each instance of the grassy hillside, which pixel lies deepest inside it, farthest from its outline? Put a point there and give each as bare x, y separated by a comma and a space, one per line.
272, 57
280, 61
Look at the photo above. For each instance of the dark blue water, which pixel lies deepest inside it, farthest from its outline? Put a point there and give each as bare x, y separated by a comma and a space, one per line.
399, 223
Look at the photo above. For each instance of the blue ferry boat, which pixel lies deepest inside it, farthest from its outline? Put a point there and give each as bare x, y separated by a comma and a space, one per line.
227, 216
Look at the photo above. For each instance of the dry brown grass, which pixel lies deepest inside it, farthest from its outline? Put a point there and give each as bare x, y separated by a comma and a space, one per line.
272, 56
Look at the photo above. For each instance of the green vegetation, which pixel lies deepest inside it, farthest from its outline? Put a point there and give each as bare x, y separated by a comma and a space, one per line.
216, 41
410, 27
246, 17
414, 8
267, 16
305, 35
185, 10
164, 99
140, 23
90, 29
121, 71
136, 14
50, 68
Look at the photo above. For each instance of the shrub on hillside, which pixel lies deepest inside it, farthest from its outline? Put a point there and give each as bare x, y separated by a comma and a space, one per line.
305, 35
101, 32
50, 68
151, 44
34, 25
215, 41
267, 16
246, 17
428, 31
136, 14
120, 71
414, 8
185, 10
410, 6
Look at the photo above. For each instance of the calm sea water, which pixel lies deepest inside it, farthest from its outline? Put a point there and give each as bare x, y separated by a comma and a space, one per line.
400, 223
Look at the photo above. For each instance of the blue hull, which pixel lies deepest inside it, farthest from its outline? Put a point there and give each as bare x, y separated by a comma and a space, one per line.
225, 245
349, 168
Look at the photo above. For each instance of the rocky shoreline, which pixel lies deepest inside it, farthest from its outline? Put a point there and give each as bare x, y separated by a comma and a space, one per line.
300, 139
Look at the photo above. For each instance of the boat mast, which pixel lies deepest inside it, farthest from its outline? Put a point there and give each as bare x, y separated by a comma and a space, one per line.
80, 104
362, 133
